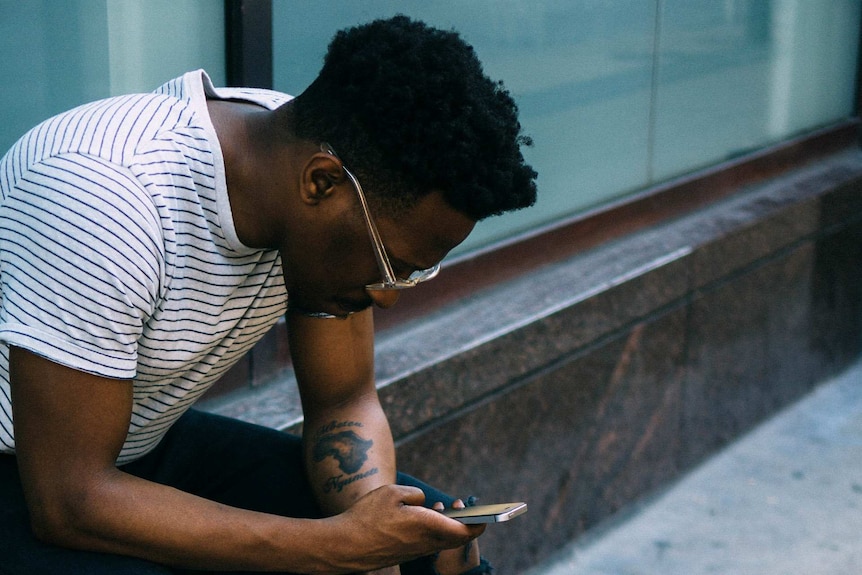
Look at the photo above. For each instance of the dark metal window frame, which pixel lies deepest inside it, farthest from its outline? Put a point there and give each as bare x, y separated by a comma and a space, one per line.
248, 29
250, 64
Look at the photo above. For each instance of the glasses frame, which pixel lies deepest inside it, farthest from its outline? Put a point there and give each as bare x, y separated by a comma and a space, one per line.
389, 280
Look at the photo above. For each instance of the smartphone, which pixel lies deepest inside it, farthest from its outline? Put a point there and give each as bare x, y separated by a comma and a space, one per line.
495, 513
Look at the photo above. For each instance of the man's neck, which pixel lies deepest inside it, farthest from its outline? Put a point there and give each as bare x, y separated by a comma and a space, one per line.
256, 169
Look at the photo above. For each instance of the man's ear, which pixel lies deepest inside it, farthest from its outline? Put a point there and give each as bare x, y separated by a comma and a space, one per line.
321, 175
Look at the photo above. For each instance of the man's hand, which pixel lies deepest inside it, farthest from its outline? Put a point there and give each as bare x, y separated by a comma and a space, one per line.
389, 524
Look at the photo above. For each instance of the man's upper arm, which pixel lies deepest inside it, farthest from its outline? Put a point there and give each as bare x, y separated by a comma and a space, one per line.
83, 263
69, 429
333, 358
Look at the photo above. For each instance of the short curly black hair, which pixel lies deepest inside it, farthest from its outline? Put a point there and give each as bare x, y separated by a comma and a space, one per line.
409, 109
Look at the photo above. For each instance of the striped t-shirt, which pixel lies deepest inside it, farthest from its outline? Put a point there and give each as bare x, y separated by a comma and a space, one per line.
118, 254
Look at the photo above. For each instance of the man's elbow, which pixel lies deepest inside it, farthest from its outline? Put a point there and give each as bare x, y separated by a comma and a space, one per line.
49, 527
66, 519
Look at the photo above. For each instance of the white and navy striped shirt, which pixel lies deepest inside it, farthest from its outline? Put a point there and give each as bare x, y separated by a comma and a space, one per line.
118, 254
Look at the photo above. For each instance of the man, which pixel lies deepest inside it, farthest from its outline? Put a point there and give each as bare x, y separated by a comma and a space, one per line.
148, 241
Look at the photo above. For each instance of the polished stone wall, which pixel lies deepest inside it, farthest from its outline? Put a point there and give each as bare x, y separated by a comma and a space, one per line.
697, 332
596, 381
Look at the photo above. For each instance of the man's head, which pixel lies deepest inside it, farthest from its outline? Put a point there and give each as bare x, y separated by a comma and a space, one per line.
410, 110
406, 110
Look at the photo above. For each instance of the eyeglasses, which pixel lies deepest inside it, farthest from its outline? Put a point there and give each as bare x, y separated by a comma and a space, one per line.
389, 281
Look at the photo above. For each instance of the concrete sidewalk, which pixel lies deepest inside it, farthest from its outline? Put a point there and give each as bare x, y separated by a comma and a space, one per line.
785, 499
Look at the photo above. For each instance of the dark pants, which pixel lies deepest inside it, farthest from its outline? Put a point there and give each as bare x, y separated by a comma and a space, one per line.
221, 459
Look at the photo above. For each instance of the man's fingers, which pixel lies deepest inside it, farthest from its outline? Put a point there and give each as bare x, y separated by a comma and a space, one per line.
410, 495
457, 504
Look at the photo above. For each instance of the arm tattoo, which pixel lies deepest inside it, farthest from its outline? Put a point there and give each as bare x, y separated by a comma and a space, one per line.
338, 482
350, 450
338, 441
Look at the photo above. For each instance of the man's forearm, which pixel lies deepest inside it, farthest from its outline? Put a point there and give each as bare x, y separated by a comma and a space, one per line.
349, 452
126, 515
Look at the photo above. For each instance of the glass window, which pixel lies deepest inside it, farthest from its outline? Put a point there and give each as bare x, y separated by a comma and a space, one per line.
620, 95
57, 55
736, 76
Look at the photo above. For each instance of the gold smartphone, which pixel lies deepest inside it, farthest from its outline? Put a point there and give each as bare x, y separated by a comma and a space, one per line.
495, 513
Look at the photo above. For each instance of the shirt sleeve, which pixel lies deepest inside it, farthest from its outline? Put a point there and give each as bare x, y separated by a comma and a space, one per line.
82, 263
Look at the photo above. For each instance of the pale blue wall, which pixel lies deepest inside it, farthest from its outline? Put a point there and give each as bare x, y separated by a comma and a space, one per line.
55, 55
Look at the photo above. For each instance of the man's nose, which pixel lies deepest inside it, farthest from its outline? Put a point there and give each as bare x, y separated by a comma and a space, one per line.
384, 298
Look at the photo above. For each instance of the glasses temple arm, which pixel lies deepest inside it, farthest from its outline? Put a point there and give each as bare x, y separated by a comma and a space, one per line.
376, 241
